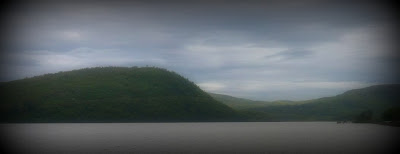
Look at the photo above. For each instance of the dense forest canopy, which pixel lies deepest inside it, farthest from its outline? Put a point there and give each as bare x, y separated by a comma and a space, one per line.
149, 94
109, 94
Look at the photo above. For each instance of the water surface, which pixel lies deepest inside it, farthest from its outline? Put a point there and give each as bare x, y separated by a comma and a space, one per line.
199, 137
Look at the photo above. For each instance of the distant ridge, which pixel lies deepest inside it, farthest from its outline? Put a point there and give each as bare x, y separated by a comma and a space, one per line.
109, 94
149, 94
346, 106
241, 103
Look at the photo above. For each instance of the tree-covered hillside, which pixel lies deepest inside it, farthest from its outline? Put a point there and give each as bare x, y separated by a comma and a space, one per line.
242, 104
109, 94
121, 94
341, 107
346, 106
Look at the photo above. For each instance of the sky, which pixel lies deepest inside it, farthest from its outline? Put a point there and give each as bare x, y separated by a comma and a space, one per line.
260, 50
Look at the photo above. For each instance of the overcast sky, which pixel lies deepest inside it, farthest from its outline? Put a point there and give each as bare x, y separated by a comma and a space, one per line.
271, 50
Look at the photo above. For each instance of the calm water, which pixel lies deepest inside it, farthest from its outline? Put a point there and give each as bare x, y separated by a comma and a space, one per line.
199, 137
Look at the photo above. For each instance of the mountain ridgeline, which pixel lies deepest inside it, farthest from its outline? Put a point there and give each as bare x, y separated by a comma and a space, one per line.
109, 94
148, 94
243, 104
347, 106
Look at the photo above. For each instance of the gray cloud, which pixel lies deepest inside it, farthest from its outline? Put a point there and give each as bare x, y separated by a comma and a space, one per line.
261, 50
291, 54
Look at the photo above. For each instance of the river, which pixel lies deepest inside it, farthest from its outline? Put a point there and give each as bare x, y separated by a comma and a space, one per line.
274, 137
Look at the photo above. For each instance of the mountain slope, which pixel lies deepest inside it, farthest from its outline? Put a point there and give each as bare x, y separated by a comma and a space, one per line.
241, 103
237, 103
341, 107
109, 94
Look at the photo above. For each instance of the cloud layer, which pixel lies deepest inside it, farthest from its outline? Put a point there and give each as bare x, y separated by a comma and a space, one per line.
260, 50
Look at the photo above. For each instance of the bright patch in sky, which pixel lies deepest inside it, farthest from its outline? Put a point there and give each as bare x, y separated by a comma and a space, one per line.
71, 35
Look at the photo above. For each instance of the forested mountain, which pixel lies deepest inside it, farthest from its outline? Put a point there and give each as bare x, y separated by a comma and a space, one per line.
241, 103
146, 94
109, 94
345, 106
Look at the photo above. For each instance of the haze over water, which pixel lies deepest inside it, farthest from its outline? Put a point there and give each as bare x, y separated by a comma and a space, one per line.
200, 137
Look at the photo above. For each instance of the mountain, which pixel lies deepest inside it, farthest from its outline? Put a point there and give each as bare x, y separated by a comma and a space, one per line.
345, 106
148, 94
109, 94
241, 103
